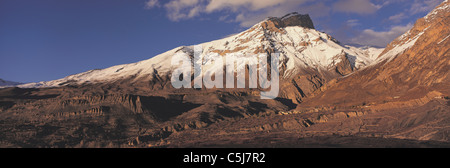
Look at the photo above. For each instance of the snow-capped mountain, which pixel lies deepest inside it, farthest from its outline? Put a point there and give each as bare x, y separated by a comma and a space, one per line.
370, 52
293, 36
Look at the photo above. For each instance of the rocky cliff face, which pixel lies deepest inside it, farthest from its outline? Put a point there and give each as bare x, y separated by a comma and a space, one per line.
423, 65
344, 67
293, 19
414, 73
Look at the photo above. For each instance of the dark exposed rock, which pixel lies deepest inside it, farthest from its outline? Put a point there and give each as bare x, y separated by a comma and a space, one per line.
344, 67
293, 19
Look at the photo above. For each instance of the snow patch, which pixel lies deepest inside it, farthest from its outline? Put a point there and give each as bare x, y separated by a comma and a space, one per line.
443, 39
391, 54
445, 6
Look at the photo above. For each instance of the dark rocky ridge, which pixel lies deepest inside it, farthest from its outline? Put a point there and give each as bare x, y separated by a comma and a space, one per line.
8, 83
294, 19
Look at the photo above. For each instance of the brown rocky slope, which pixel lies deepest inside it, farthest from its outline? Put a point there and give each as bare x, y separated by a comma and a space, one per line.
400, 102
413, 79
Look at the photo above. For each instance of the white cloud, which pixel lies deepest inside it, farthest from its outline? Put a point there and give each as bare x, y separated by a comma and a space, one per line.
246, 12
215, 5
182, 9
420, 6
416, 7
356, 6
380, 38
152, 3
194, 12
398, 17
249, 12
247, 19
353, 22
317, 10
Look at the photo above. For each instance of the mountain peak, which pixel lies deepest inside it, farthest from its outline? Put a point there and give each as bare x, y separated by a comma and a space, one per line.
293, 19
293, 36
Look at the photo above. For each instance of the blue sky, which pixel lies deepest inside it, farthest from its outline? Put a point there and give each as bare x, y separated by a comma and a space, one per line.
43, 40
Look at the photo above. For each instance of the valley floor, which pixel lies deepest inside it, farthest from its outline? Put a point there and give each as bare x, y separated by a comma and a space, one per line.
358, 126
